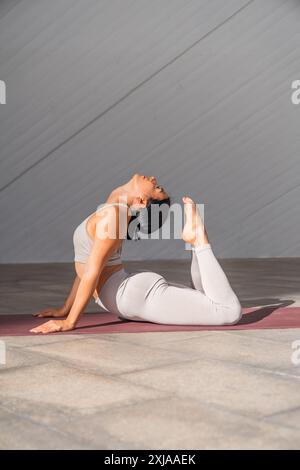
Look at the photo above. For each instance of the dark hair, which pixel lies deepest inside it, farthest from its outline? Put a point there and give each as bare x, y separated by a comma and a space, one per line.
142, 223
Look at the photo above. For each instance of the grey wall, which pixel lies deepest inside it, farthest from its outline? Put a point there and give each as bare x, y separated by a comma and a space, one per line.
196, 92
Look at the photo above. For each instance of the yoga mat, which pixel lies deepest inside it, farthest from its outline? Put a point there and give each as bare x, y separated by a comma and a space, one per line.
270, 317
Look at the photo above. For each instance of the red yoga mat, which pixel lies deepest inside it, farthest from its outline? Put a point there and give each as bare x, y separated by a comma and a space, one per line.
270, 317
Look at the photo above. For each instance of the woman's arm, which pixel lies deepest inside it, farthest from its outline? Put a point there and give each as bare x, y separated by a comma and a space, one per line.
101, 251
65, 309
71, 297
103, 247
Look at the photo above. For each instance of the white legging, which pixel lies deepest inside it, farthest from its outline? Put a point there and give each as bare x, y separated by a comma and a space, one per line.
147, 296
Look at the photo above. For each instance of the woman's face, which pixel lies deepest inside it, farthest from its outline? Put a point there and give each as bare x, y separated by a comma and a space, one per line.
150, 187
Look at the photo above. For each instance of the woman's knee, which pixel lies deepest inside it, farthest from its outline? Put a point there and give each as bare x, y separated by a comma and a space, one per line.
233, 313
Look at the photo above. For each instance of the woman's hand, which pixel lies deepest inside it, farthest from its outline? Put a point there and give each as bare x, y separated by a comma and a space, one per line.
51, 312
53, 326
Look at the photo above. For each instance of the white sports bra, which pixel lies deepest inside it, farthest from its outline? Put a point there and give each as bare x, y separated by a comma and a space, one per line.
83, 242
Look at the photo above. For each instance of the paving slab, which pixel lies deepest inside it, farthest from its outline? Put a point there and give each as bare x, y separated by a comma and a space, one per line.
289, 418
248, 350
16, 358
70, 388
235, 387
110, 357
175, 423
24, 341
18, 432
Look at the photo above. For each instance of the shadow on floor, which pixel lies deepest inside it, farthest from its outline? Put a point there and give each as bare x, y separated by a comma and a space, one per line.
263, 312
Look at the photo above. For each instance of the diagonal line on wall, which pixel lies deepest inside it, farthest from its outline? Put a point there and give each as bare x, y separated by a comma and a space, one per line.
124, 97
288, 191
6, 9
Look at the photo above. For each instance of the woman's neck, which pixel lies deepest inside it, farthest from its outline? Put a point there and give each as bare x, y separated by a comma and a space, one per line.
122, 194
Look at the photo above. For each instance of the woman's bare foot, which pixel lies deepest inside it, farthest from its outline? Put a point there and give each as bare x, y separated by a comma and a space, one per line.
193, 230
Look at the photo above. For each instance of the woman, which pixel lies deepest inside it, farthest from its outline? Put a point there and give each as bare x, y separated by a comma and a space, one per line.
145, 296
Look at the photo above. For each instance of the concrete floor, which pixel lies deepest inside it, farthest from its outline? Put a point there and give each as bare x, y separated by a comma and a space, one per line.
183, 390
